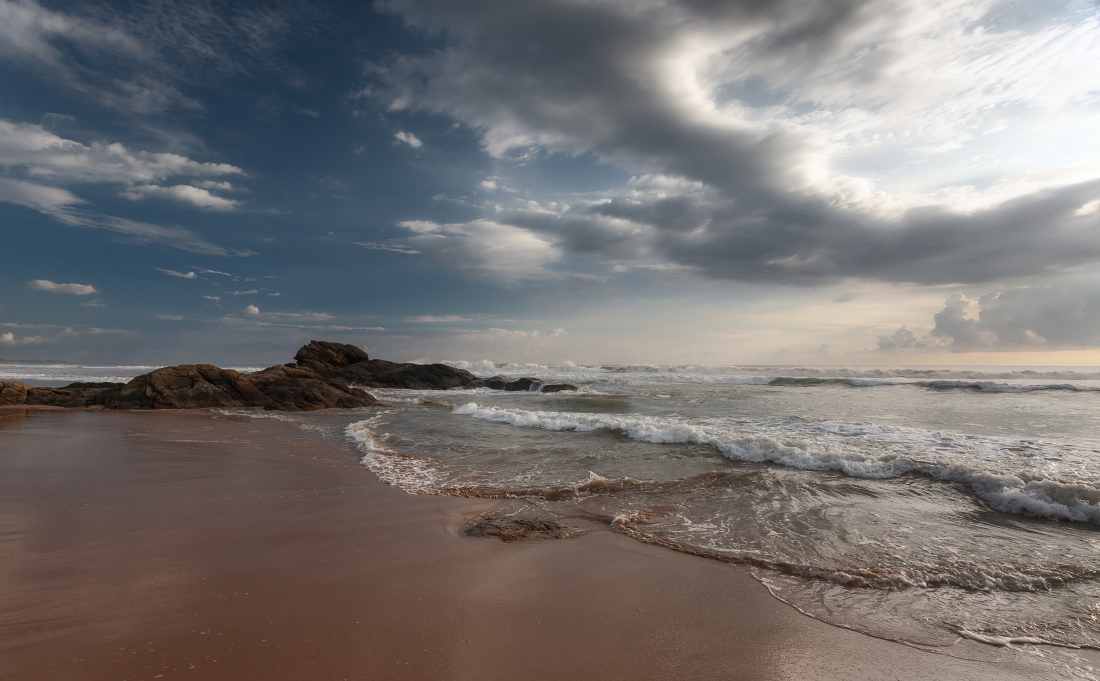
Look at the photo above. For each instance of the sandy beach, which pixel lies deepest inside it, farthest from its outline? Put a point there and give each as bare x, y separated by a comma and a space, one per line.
193, 545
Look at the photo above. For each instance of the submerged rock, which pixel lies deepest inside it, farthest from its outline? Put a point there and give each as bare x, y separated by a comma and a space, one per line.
521, 385
557, 387
515, 529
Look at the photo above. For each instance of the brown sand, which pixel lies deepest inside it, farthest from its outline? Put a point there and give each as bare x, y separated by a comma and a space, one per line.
180, 545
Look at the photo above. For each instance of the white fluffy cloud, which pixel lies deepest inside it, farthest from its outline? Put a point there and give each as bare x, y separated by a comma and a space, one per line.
46, 165
505, 251
74, 289
46, 157
181, 275
409, 139
196, 196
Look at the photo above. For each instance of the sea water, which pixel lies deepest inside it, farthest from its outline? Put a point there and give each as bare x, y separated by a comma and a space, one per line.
918, 504
915, 504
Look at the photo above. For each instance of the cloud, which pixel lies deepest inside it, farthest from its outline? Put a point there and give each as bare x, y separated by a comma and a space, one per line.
202, 271
47, 157
181, 275
408, 138
74, 289
243, 293
47, 160
214, 298
392, 247
137, 232
36, 196
794, 142
282, 318
902, 339
170, 317
131, 61
186, 193
504, 251
430, 319
1025, 317
9, 338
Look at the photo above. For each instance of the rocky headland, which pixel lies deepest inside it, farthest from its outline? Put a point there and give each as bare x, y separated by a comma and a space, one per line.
324, 375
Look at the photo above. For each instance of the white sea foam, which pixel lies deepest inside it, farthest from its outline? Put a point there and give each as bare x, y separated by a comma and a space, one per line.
984, 379
416, 475
1050, 485
1001, 640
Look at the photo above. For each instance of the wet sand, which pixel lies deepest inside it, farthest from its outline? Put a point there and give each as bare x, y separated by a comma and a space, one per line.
185, 545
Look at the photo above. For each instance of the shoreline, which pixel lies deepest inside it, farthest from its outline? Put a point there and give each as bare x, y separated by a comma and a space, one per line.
146, 543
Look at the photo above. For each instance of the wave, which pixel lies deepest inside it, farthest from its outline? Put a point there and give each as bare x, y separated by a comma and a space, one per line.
979, 386
888, 452
798, 371
987, 578
423, 475
989, 380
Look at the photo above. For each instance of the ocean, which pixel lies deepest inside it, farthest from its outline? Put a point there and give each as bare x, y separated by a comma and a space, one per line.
919, 505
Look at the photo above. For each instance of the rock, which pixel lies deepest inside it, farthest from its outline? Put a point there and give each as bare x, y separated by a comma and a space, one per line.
327, 358
61, 397
557, 387
324, 375
186, 386
521, 385
514, 529
351, 364
13, 393
378, 373
92, 386
293, 388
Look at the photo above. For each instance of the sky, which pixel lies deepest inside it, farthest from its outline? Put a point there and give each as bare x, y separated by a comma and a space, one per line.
862, 182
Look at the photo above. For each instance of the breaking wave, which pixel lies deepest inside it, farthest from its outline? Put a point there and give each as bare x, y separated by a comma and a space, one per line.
989, 467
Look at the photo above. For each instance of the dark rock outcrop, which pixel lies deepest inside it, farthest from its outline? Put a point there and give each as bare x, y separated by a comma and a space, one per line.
326, 358
351, 364
92, 386
521, 385
324, 375
63, 397
184, 387
378, 373
291, 388
76, 395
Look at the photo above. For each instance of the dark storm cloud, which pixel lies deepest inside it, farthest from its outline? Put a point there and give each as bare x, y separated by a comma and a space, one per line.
747, 204
806, 241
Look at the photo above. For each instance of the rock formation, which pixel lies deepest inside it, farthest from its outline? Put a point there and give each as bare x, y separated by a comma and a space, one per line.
291, 388
347, 362
521, 385
324, 375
